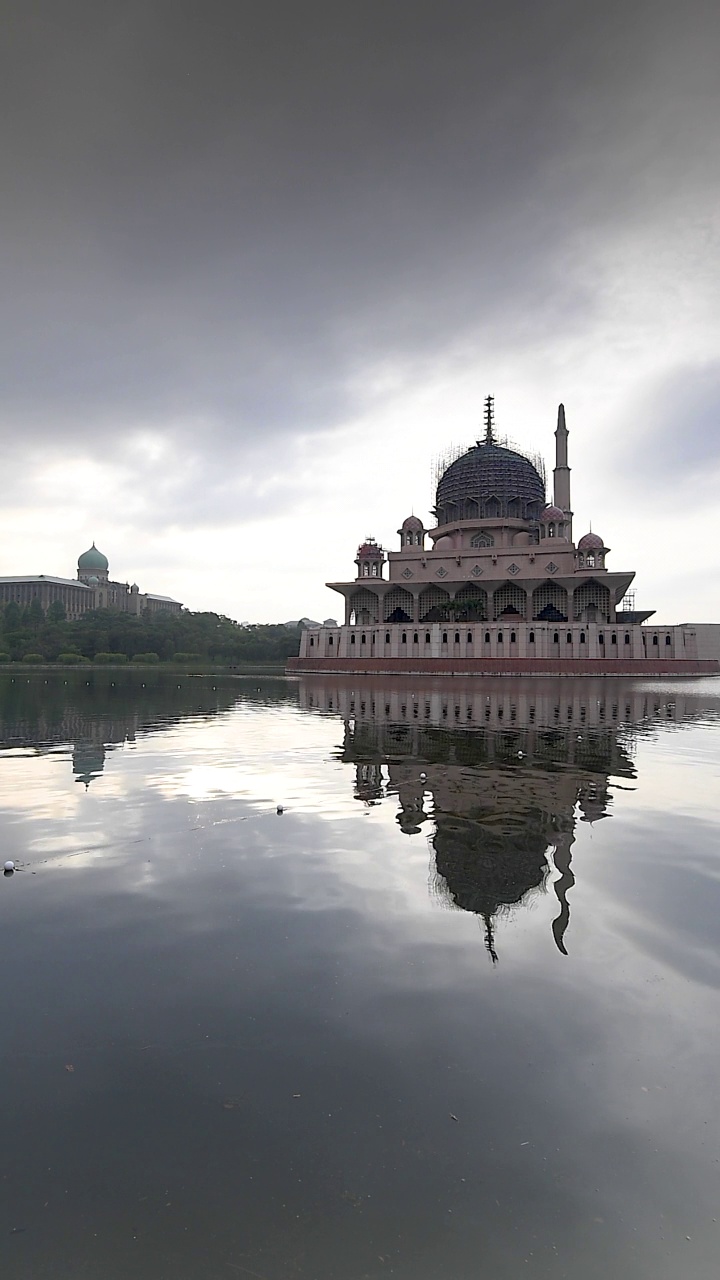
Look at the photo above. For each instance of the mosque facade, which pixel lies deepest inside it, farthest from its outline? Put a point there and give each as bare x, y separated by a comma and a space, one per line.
92, 589
498, 585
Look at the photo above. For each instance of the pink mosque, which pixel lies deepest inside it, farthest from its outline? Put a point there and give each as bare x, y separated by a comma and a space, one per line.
498, 586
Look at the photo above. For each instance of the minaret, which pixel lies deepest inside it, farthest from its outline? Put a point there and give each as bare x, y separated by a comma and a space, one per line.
561, 474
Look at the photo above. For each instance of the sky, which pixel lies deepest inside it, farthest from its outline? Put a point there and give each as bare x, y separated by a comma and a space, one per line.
262, 262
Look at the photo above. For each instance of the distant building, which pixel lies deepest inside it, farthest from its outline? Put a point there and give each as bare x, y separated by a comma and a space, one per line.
498, 585
93, 589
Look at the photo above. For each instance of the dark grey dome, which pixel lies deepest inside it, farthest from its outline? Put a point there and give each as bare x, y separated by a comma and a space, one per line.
488, 481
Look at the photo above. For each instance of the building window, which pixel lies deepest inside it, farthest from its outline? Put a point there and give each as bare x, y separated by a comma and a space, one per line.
457, 637
513, 637
667, 640
404, 637
487, 637
531, 638
366, 571
627, 638
352, 638
362, 638
556, 637
416, 638
582, 637
387, 637
482, 540
569, 637
613, 638
330, 640
655, 639
601, 638
444, 639
374, 571
469, 639
500, 637
427, 637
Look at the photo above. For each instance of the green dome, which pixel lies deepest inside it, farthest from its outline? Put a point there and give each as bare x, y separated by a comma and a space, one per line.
92, 559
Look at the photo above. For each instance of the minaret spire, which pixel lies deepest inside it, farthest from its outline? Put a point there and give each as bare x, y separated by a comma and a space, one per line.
489, 420
561, 474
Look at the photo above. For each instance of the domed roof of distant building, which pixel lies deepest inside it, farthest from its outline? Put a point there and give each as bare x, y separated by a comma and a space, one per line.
551, 515
591, 542
486, 471
371, 550
412, 522
93, 559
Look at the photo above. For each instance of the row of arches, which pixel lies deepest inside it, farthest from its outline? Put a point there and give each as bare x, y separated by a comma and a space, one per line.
548, 602
489, 508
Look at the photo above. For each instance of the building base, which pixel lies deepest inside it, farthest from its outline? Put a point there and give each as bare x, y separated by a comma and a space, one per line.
503, 666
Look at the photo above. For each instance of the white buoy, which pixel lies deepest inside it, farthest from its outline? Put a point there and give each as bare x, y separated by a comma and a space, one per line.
520, 755
9, 865
280, 809
423, 776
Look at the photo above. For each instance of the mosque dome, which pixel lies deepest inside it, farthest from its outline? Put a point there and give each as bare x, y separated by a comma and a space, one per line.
93, 559
489, 480
370, 551
412, 522
93, 580
591, 542
551, 515
445, 543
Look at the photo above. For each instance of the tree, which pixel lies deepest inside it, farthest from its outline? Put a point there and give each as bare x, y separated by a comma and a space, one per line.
11, 616
56, 612
35, 615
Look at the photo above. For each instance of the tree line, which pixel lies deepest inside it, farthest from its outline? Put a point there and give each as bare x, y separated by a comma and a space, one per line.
30, 634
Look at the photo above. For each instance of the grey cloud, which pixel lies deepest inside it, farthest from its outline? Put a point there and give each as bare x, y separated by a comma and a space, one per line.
682, 437
229, 212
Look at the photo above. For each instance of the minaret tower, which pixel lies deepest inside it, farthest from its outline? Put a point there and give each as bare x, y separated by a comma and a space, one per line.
561, 474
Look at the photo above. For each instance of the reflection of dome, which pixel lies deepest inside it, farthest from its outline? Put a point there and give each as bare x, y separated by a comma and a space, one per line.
591, 542
93, 559
487, 471
551, 515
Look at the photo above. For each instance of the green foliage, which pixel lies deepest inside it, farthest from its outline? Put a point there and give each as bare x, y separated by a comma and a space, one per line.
5, 657
71, 658
33, 657
105, 658
56, 612
203, 638
34, 615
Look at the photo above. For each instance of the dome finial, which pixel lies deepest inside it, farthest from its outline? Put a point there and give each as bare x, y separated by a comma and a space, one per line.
489, 420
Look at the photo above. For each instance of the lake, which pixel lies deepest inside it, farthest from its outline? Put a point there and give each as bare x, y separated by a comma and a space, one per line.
451, 1014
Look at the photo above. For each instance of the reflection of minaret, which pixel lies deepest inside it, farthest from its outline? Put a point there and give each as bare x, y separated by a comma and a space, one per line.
88, 761
562, 858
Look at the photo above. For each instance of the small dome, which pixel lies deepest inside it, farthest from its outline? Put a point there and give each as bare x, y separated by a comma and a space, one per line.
370, 551
135, 588
93, 559
552, 515
93, 581
444, 544
412, 522
591, 542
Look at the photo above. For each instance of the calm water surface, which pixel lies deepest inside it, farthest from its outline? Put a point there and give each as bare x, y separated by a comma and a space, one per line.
452, 1014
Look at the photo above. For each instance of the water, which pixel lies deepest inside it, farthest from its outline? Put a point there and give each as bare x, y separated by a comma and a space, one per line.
433, 1029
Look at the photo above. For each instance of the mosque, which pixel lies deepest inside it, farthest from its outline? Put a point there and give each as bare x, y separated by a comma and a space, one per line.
499, 586
92, 589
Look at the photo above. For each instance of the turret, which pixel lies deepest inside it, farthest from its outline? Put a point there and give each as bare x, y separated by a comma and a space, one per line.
561, 473
370, 559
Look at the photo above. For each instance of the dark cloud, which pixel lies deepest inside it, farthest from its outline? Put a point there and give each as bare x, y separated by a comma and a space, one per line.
226, 213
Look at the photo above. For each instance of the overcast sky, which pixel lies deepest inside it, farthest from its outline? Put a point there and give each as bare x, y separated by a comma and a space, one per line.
262, 262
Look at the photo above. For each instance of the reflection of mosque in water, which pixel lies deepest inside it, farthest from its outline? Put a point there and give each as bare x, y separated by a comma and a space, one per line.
99, 713
497, 776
